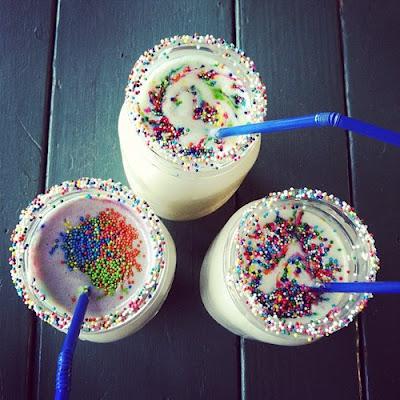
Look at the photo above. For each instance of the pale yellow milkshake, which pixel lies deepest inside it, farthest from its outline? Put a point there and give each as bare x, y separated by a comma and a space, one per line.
257, 273
177, 92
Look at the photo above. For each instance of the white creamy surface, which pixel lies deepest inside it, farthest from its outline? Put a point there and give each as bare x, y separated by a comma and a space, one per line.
188, 92
177, 92
238, 318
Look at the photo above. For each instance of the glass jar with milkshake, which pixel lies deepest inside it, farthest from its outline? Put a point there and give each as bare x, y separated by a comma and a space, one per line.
177, 92
259, 275
97, 234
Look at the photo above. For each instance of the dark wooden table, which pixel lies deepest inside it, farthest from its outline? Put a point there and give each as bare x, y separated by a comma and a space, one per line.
63, 68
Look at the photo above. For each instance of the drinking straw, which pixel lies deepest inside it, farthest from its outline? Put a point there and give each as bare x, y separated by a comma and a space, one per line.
64, 362
359, 287
324, 119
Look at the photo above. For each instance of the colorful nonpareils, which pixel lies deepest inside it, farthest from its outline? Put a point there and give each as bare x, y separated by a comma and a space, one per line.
104, 247
291, 241
267, 247
187, 85
108, 235
211, 95
290, 300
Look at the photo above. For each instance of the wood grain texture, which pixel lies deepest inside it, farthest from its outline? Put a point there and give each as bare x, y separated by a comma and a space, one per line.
296, 48
181, 353
25, 31
371, 32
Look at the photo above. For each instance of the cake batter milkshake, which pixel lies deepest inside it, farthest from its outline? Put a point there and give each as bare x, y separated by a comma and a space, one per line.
256, 276
177, 92
92, 233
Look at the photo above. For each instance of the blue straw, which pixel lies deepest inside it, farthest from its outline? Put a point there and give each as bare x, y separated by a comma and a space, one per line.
360, 287
64, 362
325, 119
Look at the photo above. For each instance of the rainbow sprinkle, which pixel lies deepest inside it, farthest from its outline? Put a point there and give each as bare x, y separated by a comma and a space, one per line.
165, 138
30, 222
268, 245
260, 247
290, 300
103, 248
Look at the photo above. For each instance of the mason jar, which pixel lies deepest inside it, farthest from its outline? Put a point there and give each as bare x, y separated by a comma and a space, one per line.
177, 92
256, 276
49, 283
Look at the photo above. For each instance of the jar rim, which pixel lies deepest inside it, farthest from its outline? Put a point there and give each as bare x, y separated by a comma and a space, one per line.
139, 73
174, 168
27, 227
322, 326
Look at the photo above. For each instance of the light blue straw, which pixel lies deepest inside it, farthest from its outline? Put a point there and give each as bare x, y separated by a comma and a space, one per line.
64, 362
359, 287
325, 119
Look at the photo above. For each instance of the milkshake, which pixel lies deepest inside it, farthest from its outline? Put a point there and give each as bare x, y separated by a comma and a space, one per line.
256, 276
92, 233
177, 92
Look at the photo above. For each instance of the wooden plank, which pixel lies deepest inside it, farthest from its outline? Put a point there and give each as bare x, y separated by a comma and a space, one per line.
25, 47
182, 353
297, 50
371, 32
